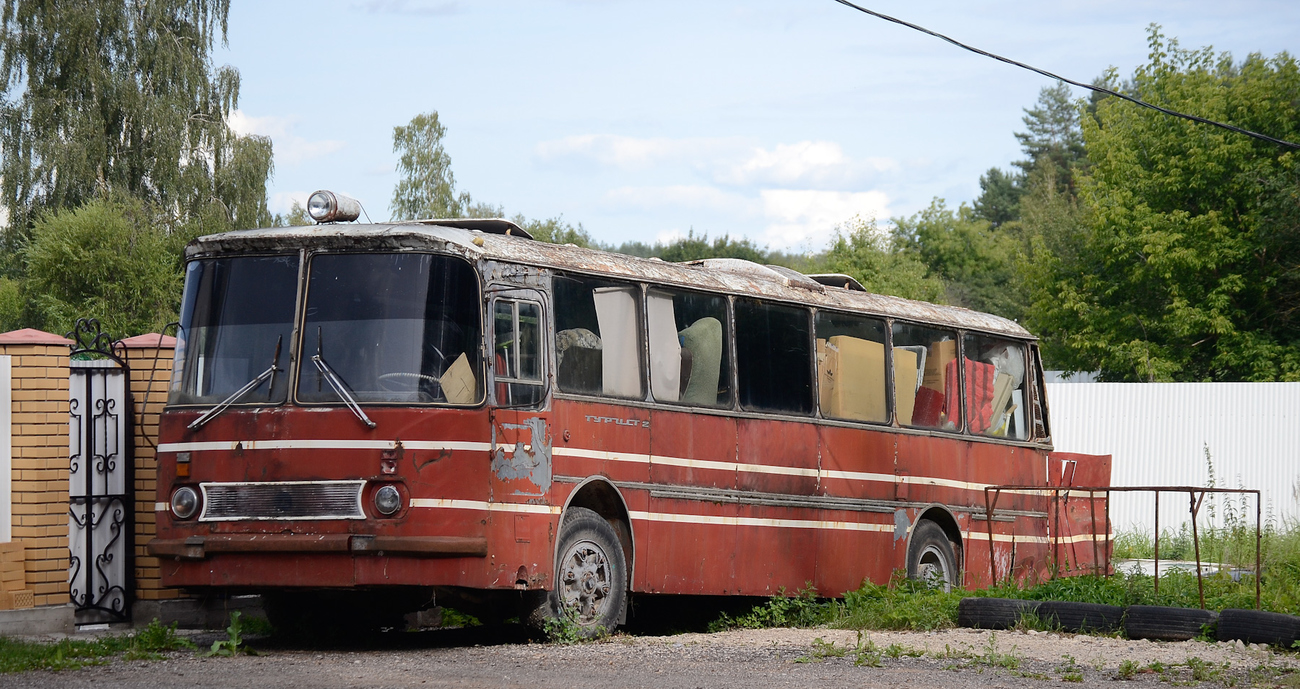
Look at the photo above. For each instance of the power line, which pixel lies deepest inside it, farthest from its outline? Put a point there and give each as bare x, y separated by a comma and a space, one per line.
1091, 87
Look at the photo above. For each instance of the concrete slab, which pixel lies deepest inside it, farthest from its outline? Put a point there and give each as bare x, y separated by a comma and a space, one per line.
46, 619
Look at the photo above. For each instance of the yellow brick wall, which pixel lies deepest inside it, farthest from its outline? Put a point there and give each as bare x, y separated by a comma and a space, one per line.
151, 370
40, 466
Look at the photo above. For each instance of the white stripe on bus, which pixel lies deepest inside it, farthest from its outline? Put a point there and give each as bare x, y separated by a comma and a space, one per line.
603, 455
524, 508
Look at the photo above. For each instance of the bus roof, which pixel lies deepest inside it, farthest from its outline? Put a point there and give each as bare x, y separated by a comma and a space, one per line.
497, 240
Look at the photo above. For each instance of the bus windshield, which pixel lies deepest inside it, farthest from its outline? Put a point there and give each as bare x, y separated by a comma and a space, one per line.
236, 323
398, 328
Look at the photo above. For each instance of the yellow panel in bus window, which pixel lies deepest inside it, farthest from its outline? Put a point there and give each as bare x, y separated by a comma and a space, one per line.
905, 376
855, 371
458, 384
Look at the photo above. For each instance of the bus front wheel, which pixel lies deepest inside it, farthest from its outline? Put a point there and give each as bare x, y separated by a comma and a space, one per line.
590, 586
931, 558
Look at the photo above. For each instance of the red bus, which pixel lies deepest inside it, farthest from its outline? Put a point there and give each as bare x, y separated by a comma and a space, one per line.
380, 415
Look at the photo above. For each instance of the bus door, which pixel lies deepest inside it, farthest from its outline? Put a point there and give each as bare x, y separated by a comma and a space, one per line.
521, 433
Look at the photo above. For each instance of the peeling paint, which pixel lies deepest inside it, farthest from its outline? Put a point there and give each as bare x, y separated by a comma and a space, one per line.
901, 525
531, 461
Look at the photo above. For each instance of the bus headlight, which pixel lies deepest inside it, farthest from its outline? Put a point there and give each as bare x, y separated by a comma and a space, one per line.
185, 502
387, 500
326, 206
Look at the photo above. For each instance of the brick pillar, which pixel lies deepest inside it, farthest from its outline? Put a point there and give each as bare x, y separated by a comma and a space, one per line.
150, 359
39, 432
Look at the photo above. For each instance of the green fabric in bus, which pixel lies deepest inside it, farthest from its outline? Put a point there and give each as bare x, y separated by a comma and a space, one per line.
704, 340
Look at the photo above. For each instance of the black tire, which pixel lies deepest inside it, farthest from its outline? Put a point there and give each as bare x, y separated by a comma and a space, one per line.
993, 613
1081, 617
590, 586
1165, 623
1258, 627
931, 557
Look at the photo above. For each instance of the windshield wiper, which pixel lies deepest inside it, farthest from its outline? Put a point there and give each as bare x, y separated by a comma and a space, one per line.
239, 394
340, 388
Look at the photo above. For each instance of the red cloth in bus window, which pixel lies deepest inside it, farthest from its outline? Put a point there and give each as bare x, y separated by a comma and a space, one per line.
503, 389
928, 407
979, 394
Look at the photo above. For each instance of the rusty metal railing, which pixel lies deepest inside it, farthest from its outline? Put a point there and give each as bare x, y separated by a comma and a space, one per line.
1195, 495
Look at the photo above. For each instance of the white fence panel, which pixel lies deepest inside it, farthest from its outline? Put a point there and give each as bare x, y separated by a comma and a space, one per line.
1173, 433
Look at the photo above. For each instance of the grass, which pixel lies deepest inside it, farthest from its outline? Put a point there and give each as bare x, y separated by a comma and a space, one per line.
146, 644
906, 605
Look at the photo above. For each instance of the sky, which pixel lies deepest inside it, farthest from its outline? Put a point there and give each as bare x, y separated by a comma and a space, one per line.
773, 120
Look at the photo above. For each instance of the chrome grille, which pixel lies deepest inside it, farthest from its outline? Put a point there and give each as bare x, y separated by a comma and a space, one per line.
282, 500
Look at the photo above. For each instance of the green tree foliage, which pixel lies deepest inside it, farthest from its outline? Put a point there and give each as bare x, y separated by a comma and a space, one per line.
105, 96
107, 259
556, 231
975, 261
863, 251
999, 199
427, 188
1054, 135
695, 247
1054, 148
1187, 266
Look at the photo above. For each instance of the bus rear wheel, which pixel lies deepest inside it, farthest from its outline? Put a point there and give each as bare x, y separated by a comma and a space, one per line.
931, 558
590, 587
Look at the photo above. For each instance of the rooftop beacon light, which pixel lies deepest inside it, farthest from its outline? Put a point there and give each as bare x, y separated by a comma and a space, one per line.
326, 206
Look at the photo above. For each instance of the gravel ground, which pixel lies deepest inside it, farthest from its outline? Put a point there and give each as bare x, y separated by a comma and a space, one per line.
954, 659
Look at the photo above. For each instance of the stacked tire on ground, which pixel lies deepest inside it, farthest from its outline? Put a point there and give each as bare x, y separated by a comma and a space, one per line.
1137, 621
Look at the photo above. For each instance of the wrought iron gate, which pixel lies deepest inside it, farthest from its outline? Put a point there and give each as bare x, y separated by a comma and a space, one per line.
100, 514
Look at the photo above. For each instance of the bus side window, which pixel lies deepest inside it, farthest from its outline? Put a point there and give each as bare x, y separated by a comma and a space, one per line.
927, 384
597, 340
774, 357
688, 348
851, 368
517, 352
995, 387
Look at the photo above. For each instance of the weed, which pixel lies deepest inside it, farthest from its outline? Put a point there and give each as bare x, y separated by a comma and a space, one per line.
456, 618
804, 609
1069, 669
895, 651
1127, 669
821, 650
68, 654
258, 626
564, 631
1203, 671
233, 644
868, 654
993, 658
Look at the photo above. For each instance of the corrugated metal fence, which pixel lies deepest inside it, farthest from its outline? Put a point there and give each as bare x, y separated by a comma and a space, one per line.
1173, 433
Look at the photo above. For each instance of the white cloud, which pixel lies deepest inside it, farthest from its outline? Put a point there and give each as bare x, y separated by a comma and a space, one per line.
807, 218
627, 152
289, 148
801, 219
729, 162
803, 164
681, 196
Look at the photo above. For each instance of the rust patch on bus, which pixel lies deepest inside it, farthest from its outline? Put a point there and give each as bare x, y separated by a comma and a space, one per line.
531, 461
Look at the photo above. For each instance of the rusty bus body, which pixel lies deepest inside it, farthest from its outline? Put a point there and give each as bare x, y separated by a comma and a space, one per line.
723, 497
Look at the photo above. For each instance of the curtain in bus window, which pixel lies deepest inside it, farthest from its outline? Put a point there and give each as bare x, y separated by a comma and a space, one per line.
665, 347
688, 352
774, 359
620, 366
597, 339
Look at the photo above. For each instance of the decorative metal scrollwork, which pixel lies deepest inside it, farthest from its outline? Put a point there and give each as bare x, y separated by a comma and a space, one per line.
88, 337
